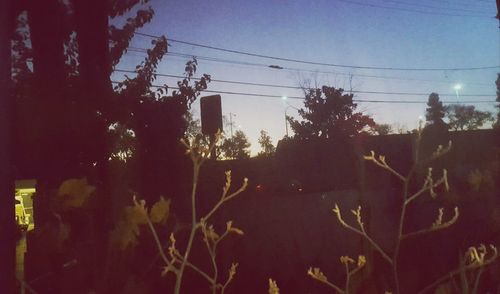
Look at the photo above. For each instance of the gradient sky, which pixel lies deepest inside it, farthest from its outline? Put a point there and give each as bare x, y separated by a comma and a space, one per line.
342, 32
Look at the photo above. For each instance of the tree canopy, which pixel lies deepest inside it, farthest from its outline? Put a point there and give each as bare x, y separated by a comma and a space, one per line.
236, 147
73, 121
466, 117
382, 129
65, 99
266, 144
435, 111
329, 113
193, 126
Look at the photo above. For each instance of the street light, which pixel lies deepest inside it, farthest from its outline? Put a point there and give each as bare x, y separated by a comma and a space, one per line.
285, 98
420, 121
457, 87
286, 120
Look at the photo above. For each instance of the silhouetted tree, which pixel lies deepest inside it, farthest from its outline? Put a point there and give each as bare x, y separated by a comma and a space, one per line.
435, 131
193, 126
400, 128
266, 144
466, 117
435, 111
64, 96
124, 142
8, 227
159, 123
236, 147
65, 99
329, 113
382, 129
71, 122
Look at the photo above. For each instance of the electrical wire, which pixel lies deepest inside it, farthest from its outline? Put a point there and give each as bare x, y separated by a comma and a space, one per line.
291, 69
302, 98
317, 63
424, 5
299, 88
412, 10
473, 2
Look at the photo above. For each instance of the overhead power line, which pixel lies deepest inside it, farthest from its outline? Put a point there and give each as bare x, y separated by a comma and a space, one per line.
291, 69
301, 98
177, 54
299, 88
412, 10
471, 2
317, 63
423, 5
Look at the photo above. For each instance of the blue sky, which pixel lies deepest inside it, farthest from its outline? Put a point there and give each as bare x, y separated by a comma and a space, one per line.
341, 32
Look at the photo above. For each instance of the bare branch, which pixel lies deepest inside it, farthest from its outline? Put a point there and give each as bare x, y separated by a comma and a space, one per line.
380, 161
437, 225
360, 231
477, 260
226, 198
316, 274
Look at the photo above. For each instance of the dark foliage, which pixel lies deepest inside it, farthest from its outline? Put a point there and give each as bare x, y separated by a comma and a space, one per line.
236, 147
266, 144
435, 111
382, 129
71, 122
466, 117
329, 113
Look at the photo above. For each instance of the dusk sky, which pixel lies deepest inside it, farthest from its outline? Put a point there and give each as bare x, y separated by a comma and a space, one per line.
424, 34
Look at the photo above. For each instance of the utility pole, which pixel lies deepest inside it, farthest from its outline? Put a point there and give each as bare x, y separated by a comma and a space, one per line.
231, 122
286, 122
284, 99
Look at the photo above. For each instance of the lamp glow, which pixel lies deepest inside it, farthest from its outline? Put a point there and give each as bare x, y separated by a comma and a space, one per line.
457, 88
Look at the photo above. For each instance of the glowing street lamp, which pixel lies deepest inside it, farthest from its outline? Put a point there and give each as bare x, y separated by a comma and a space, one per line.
288, 105
284, 98
457, 88
420, 121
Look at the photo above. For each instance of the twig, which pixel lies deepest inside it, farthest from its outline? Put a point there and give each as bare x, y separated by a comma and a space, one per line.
232, 272
361, 232
380, 161
225, 199
178, 281
27, 286
361, 263
476, 283
477, 261
435, 226
199, 153
198, 270
318, 275
428, 185
157, 241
